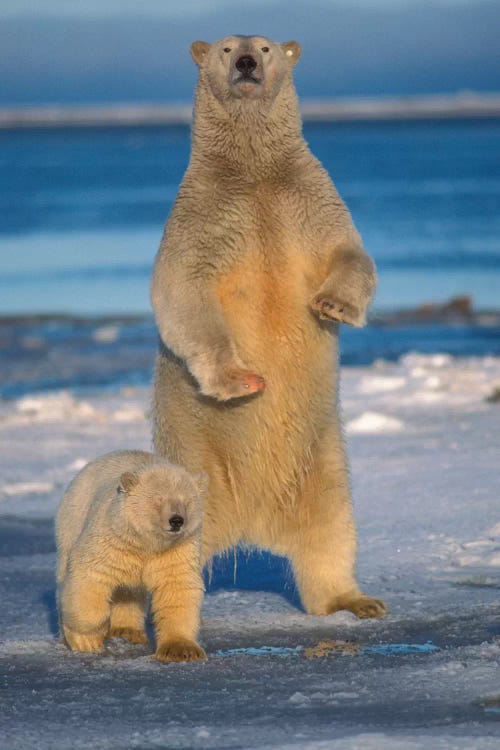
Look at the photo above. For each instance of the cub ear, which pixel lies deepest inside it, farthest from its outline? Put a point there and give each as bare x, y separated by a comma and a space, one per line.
202, 482
292, 51
127, 481
199, 51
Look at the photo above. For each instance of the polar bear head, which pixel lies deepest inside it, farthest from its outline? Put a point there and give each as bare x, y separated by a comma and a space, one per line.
245, 67
160, 505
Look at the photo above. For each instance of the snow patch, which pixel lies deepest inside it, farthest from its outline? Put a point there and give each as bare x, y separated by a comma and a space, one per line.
299, 699
202, 734
479, 552
494, 530
372, 422
419, 364
55, 407
27, 488
380, 384
128, 415
78, 464
106, 334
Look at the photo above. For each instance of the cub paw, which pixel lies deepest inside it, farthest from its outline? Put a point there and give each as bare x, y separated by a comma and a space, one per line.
359, 604
328, 308
83, 641
234, 383
134, 635
180, 650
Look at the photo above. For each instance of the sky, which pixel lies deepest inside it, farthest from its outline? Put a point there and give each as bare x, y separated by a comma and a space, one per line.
129, 51
165, 8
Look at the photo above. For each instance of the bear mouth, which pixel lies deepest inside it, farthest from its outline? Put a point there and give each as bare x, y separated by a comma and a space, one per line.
248, 78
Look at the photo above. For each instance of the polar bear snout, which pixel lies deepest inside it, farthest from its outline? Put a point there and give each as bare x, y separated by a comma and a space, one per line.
246, 65
176, 523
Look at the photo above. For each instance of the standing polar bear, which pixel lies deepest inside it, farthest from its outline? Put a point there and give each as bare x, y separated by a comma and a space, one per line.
258, 263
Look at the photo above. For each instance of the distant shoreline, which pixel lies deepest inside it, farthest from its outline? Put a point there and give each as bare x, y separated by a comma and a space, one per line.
398, 317
463, 105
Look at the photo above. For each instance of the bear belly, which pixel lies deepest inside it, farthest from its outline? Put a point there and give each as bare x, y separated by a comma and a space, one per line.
265, 302
264, 444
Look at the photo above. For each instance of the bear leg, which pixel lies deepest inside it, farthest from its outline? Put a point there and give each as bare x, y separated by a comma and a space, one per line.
323, 560
90, 642
128, 612
174, 579
84, 611
321, 537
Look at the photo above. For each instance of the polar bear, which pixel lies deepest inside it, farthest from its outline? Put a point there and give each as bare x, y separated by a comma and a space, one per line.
129, 524
258, 264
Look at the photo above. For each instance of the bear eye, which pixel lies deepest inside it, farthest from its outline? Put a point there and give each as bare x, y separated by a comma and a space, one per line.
227, 49
265, 49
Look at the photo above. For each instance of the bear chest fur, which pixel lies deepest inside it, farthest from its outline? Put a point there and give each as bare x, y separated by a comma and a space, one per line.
273, 270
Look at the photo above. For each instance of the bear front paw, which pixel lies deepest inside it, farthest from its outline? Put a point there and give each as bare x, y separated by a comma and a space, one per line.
328, 308
233, 382
83, 641
180, 650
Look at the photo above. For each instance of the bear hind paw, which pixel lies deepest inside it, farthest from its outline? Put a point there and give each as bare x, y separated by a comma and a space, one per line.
134, 635
359, 604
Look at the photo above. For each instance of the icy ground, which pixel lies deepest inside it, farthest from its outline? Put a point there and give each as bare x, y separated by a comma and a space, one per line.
424, 446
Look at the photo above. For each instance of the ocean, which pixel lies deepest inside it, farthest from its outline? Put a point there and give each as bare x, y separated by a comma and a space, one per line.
82, 212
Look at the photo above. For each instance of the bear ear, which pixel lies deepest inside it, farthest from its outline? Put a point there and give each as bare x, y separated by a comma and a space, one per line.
199, 51
292, 51
202, 482
127, 482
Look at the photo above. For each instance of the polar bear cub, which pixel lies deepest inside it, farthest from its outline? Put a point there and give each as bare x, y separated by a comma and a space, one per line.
129, 524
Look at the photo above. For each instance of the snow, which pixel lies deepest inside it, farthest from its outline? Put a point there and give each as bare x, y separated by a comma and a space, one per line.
428, 514
373, 422
106, 334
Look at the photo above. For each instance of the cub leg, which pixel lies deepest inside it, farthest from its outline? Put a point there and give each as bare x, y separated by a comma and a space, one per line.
128, 611
85, 610
174, 578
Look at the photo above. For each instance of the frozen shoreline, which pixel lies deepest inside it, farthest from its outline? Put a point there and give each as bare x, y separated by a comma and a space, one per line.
435, 312
423, 441
467, 104
45, 353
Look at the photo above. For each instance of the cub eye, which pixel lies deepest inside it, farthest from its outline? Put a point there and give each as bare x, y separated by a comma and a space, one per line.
265, 49
227, 49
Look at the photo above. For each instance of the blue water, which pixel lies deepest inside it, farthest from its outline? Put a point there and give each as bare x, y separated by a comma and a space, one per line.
380, 649
82, 212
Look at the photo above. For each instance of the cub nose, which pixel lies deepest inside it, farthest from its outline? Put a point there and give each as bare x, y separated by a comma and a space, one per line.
246, 64
176, 522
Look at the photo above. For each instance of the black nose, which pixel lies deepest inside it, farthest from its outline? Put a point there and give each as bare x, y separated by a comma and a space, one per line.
246, 64
175, 522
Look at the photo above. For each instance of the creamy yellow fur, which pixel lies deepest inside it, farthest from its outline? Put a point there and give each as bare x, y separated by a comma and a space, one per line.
259, 262
115, 543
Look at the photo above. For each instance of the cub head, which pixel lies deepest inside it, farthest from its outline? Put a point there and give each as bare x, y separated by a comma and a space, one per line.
161, 505
245, 67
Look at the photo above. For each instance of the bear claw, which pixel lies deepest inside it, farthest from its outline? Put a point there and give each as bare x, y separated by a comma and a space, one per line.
235, 383
327, 309
134, 635
181, 650
361, 605
83, 642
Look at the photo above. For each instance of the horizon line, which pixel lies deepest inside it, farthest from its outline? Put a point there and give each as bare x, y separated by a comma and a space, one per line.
460, 105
